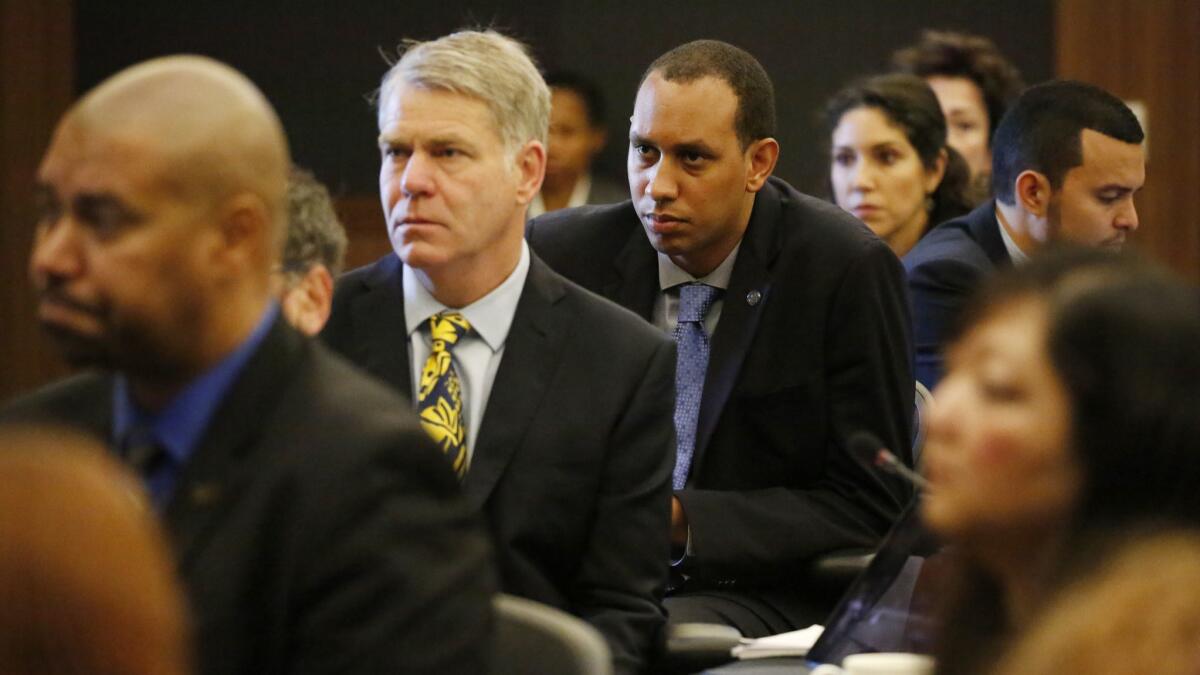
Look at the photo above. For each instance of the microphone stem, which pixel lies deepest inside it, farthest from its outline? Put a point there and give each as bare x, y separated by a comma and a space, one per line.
893, 465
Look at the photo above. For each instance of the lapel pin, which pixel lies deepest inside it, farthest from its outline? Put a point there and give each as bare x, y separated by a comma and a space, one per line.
205, 494
753, 298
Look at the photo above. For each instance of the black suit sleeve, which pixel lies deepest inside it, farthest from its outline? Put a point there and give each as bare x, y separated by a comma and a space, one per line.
766, 532
940, 288
397, 576
622, 577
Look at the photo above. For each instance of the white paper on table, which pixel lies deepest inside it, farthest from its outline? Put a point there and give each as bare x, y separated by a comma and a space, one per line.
794, 643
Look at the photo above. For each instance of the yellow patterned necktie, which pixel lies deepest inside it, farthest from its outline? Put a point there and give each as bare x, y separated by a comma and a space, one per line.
439, 399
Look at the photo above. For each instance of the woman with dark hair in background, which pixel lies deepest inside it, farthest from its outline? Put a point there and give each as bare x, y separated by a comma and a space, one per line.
890, 165
1066, 429
975, 85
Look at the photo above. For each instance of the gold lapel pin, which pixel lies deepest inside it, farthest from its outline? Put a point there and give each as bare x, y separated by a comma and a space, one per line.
205, 494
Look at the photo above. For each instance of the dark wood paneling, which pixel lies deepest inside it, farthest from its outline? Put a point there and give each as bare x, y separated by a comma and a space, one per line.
365, 228
37, 63
316, 60
1149, 51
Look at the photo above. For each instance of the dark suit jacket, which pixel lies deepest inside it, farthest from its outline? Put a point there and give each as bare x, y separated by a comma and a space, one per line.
573, 461
317, 528
812, 345
944, 269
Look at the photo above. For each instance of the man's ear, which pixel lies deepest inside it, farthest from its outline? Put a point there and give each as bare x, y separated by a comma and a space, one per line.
243, 236
760, 162
307, 304
934, 176
1031, 191
531, 169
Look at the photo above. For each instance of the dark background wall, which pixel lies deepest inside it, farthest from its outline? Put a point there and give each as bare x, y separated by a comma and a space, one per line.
317, 60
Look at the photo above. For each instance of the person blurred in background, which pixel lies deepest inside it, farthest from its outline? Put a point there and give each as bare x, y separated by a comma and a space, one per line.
1068, 420
890, 165
974, 84
87, 581
577, 135
313, 253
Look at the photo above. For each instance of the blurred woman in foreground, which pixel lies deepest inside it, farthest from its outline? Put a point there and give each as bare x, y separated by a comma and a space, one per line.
1065, 430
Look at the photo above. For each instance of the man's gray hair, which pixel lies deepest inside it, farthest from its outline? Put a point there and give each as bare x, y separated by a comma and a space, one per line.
485, 65
314, 233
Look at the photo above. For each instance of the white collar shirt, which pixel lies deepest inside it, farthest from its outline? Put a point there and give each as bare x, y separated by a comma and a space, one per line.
477, 355
671, 277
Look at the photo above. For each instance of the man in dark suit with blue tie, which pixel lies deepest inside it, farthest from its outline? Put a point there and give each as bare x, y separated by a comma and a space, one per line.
792, 328
1066, 162
554, 404
317, 529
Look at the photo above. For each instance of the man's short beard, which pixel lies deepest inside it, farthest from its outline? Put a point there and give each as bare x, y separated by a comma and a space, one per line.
130, 352
80, 351
1053, 219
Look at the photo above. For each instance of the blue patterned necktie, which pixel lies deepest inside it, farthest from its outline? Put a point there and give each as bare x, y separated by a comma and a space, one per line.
439, 398
691, 363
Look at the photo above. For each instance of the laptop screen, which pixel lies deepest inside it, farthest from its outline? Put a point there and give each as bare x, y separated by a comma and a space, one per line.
889, 607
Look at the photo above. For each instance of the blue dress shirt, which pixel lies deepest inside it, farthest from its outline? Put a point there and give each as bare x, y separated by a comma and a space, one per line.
179, 427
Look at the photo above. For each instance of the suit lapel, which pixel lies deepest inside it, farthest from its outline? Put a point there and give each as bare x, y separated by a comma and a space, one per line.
219, 467
749, 291
633, 283
531, 354
379, 325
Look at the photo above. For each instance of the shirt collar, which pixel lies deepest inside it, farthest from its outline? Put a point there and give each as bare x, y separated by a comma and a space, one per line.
670, 274
1015, 253
579, 194
490, 316
579, 197
181, 424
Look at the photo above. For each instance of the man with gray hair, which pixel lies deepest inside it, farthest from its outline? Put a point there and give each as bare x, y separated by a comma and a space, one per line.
312, 254
553, 405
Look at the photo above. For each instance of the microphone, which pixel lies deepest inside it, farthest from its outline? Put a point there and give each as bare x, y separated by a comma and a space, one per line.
868, 450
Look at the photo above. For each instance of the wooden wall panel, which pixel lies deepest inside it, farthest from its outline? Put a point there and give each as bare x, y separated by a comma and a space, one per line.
1149, 51
365, 228
36, 75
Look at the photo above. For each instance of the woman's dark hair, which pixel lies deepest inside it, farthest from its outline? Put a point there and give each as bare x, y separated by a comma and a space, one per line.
1124, 337
910, 104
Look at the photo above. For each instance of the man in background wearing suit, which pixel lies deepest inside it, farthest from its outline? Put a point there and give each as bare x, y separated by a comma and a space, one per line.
577, 135
1067, 161
792, 332
313, 254
316, 528
555, 404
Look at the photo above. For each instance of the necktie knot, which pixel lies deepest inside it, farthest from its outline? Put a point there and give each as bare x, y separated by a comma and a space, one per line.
143, 451
447, 328
695, 299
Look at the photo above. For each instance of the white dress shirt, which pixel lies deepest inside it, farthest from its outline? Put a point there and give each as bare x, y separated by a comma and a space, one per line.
579, 197
670, 277
477, 355
1015, 253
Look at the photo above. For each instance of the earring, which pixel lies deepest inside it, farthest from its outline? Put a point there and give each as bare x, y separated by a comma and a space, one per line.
929, 203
